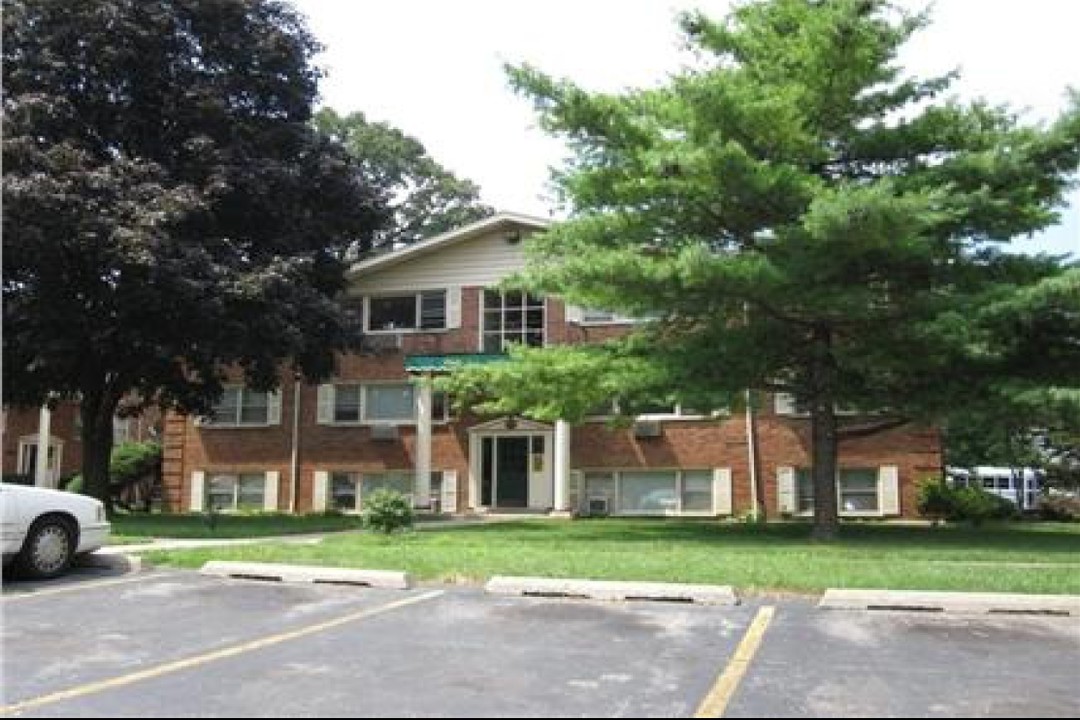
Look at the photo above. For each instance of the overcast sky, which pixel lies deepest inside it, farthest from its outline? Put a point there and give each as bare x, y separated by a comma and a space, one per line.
434, 69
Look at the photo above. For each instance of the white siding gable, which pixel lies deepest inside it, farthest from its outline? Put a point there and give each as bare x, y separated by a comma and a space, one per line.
481, 261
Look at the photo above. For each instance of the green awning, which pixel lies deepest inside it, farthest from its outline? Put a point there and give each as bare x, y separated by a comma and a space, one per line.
446, 363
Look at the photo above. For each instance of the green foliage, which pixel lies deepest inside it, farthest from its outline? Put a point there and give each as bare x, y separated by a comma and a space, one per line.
168, 208
72, 483
938, 500
425, 198
1062, 508
133, 461
798, 214
387, 511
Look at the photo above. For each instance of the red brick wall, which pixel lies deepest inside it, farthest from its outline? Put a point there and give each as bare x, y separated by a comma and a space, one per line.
683, 444
20, 422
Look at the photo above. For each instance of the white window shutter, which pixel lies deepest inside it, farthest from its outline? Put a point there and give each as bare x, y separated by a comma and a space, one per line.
198, 491
889, 489
785, 489
324, 412
722, 491
577, 489
320, 491
574, 314
448, 501
270, 495
273, 408
785, 404
453, 307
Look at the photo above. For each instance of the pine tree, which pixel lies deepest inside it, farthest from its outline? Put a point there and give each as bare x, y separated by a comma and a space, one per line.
798, 215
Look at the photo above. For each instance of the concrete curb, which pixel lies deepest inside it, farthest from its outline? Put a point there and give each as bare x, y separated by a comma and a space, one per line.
307, 574
111, 561
611, 590
970, 603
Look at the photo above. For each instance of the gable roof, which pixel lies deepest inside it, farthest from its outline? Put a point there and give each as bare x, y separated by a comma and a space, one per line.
468, 232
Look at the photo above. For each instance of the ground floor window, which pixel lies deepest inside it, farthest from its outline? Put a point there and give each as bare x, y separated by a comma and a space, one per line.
856, 489
648, 492
347, 490
242, 491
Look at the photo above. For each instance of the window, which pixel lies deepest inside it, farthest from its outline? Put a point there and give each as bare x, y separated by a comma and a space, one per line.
398, 481
697, 491
512, 317
804, 491
121, 428
589, 315
240, 406
349, 489
347, 403
648, 492
245, 491
389, 402
354, 403
414, 311
857, 490
344, 494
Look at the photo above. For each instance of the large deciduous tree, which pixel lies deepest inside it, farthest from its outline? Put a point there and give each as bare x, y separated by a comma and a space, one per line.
798, 213
168, 208
426, 199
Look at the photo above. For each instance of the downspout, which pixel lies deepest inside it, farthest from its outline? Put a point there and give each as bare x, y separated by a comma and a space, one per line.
295, 468
751, 452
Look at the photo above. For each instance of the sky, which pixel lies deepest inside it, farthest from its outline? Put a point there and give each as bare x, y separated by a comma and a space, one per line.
434, 69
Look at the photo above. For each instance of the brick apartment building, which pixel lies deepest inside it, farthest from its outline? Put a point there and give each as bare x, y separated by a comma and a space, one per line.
20, 429
378, 423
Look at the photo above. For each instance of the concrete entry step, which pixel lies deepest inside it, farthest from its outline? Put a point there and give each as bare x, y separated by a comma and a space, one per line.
611, 590
308, 574
970, 603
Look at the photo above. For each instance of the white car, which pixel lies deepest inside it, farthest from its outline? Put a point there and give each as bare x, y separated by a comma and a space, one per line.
43, 530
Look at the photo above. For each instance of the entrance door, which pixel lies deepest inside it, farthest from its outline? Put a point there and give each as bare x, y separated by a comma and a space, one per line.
513, 471
27, 461
512, 463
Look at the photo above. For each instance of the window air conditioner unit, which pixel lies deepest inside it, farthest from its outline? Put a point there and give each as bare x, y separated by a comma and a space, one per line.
384, 431
598, 506
647, 428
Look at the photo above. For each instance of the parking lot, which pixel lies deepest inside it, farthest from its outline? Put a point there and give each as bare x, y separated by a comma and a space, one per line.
179, 644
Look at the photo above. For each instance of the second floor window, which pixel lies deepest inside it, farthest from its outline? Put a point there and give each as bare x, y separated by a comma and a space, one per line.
354, 403
512, 317
242, 406
413, 311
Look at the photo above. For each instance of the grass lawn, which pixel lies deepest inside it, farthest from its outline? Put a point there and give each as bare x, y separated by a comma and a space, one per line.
135, 528
1015, 557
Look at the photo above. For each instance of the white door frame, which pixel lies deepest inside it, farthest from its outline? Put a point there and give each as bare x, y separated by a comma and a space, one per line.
56, 446
541, 483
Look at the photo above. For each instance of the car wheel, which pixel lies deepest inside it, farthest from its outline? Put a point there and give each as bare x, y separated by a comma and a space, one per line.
49, 548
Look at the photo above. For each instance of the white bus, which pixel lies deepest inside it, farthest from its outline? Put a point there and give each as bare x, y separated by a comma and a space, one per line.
1019, 485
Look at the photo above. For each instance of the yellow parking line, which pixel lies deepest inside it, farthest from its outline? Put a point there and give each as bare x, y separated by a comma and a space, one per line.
720, 695
178, 665
25, 595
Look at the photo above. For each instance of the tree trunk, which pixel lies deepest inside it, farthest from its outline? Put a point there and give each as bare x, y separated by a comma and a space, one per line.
823, 435
96, 411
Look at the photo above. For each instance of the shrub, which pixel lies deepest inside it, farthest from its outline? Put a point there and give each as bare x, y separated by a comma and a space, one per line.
938, 500
18, 478
72, 483
387, 511
1062, 508
935, 499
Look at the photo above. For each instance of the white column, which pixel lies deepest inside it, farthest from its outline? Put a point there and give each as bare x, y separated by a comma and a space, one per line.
41, 470
423, 444
562, 466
